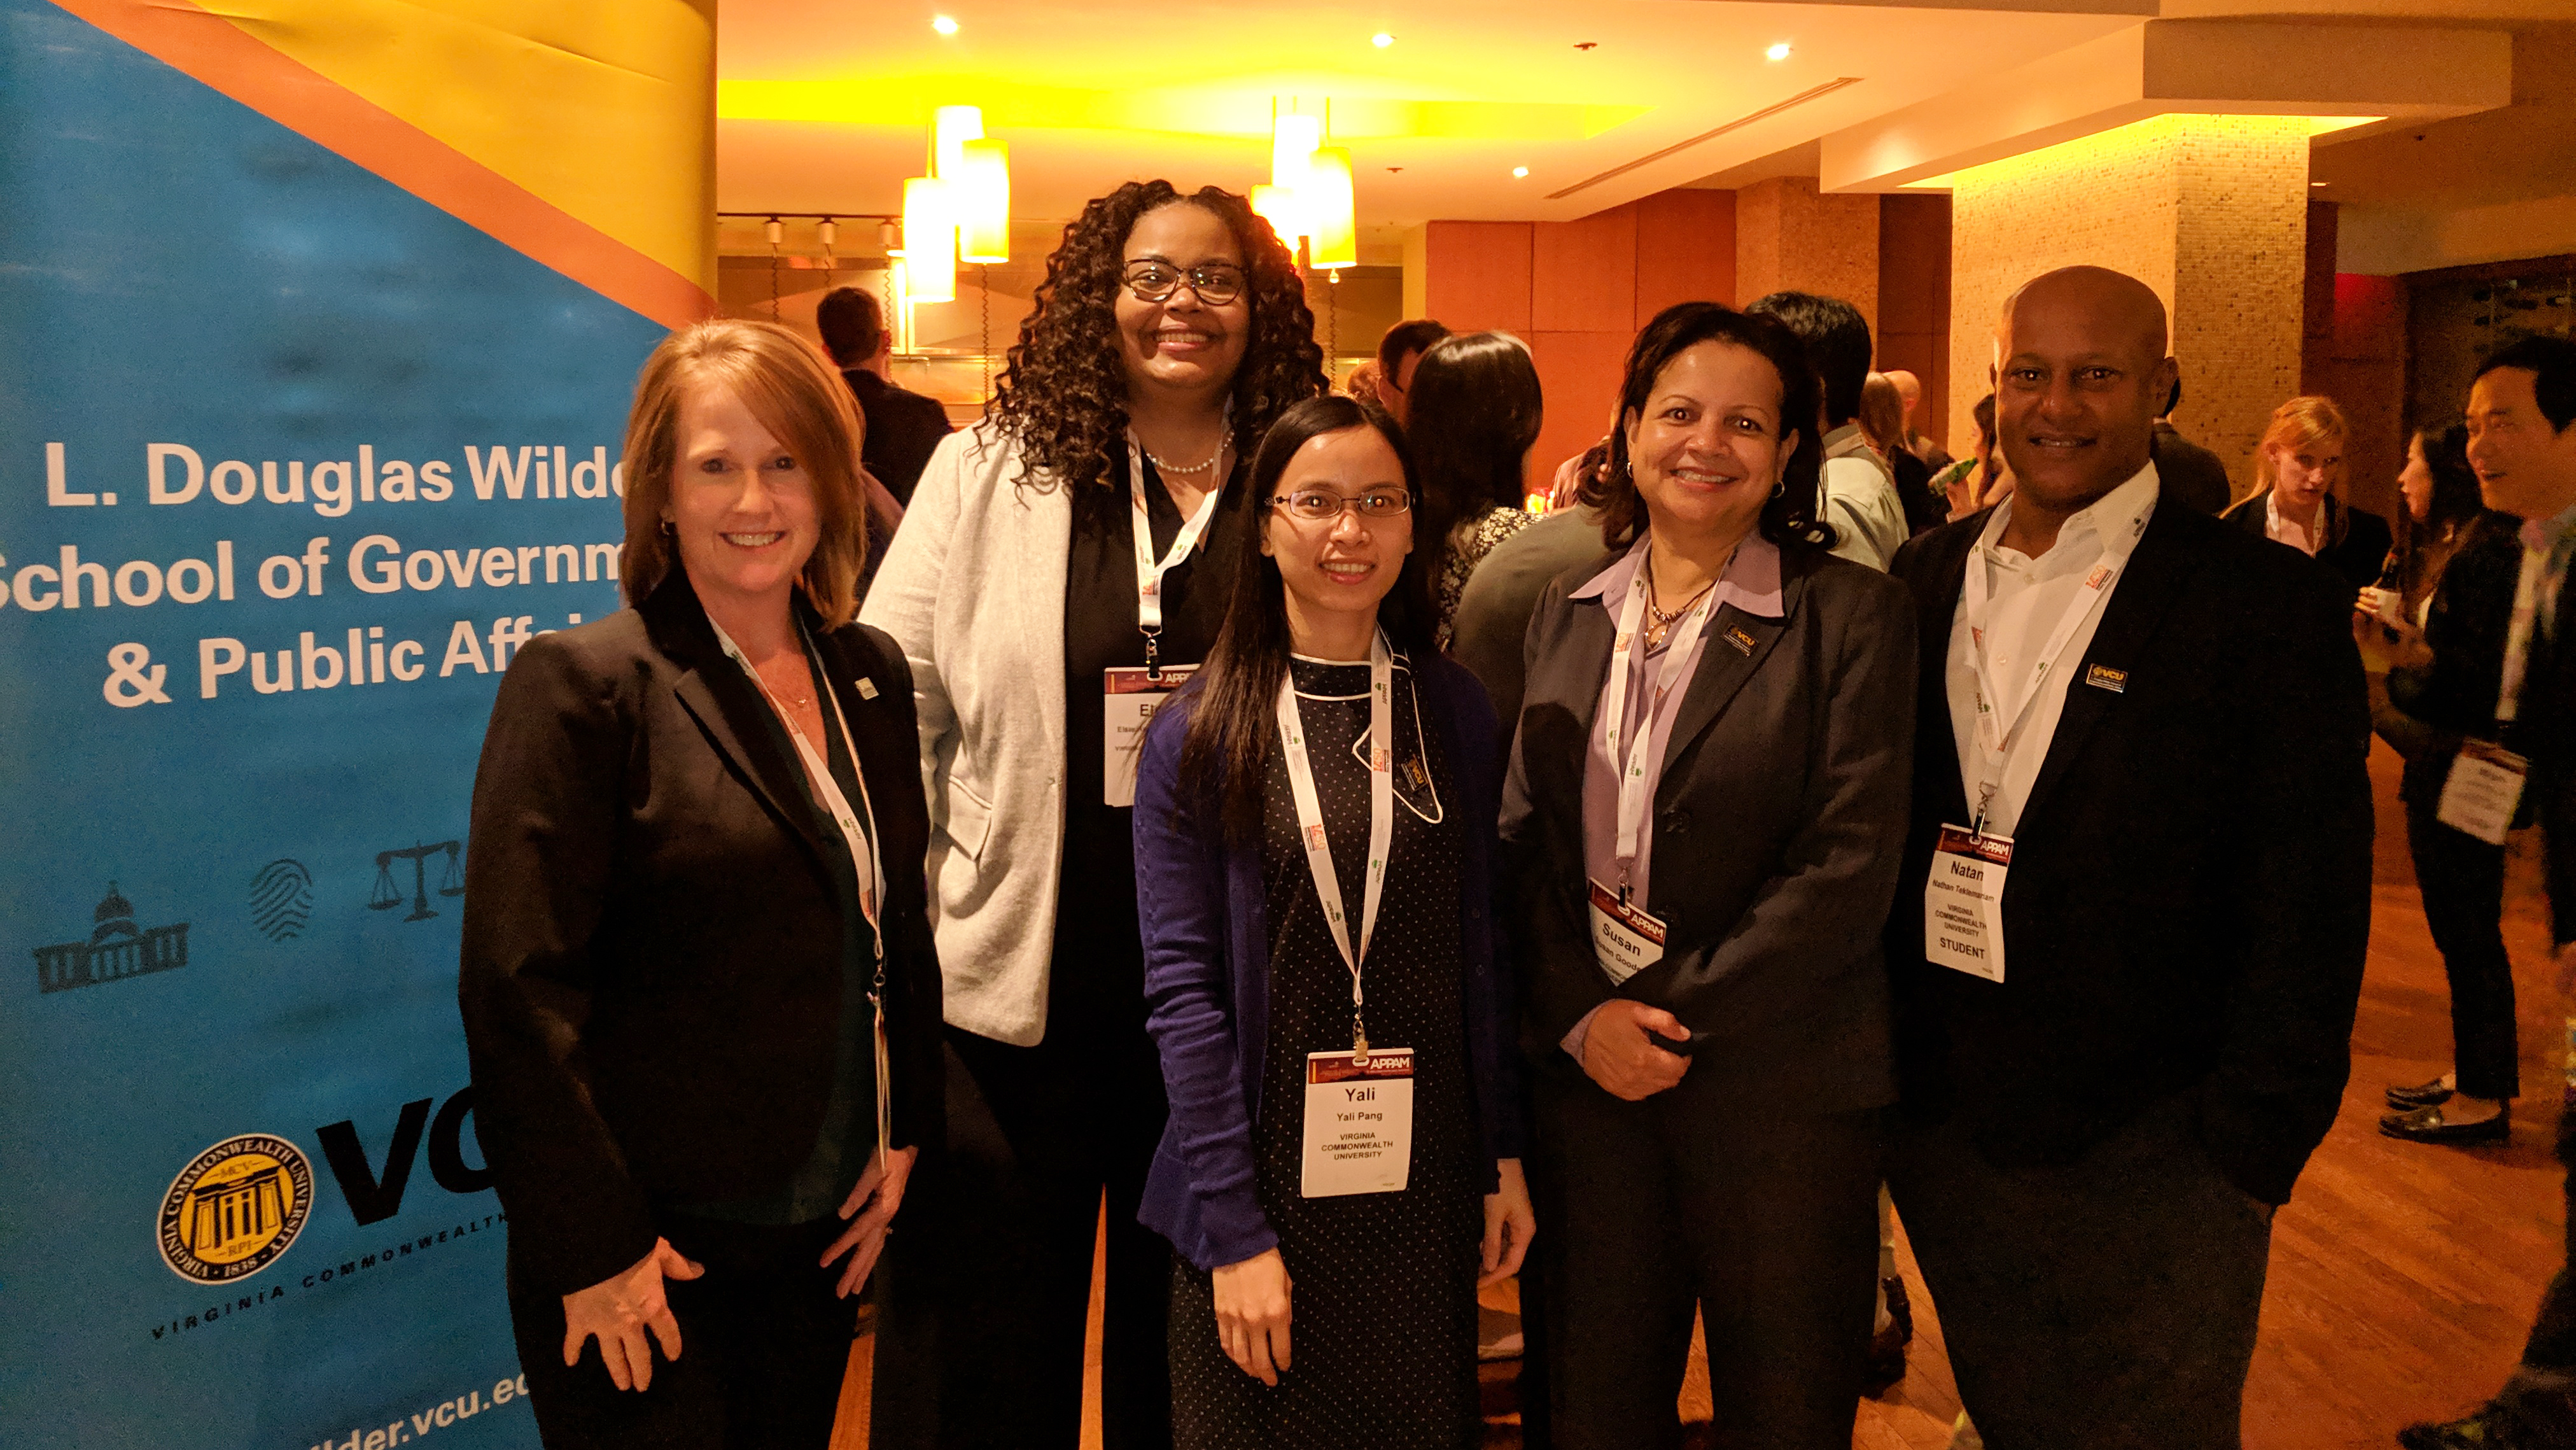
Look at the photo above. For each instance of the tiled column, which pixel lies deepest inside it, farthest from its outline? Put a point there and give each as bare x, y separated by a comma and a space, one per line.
1788, 237
2210, 211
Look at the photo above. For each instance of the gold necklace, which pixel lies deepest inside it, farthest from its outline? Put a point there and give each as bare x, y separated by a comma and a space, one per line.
1661, 621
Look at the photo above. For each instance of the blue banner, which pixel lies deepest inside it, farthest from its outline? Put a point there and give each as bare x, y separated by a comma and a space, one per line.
291, 461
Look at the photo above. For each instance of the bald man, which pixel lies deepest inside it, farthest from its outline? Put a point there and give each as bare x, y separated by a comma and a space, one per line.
1909, 391
2128, 941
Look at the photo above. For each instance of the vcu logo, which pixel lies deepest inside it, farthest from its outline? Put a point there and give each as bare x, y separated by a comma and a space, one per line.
232, 1211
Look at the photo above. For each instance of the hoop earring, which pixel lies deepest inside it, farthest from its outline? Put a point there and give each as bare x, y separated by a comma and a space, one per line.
667, 529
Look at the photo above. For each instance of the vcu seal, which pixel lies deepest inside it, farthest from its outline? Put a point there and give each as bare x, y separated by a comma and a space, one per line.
230, 1213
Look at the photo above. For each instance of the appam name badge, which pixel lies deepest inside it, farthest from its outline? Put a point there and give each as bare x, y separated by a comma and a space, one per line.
1129, 696
1963, 902
2482, 791
1359, 1122
1626, 938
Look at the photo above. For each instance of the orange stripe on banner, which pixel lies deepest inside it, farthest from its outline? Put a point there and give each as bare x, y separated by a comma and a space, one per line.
206, 48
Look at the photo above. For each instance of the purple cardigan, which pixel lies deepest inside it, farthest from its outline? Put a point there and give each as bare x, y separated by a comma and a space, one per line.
1207, 977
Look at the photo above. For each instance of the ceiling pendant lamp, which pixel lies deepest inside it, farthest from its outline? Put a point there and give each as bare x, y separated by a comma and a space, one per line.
1293, 140
1277, 205
982, 191
951, 127
929, 241
1330, 216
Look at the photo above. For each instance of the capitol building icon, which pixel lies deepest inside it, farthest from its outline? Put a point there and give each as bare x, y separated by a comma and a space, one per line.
116, 949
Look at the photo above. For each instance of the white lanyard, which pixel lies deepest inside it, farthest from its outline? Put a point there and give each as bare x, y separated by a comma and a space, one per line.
1633, 756
1996, 737
1310, 817
2543, 570
1149, 572
862, 846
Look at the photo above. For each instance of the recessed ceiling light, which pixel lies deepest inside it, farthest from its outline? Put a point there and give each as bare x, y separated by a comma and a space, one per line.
1520, 171
1779, 50
944, 24
1381, 40
2316, 183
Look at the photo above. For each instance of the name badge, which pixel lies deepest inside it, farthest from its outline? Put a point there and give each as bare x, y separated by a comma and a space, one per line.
1128, 701
2482, 791
1359, 1122
1963, 903
1626, 939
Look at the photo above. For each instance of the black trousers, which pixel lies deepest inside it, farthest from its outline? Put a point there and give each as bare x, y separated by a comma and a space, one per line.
1766, 1225
982, 1344
2462, 879
764, 1345
2110, 1303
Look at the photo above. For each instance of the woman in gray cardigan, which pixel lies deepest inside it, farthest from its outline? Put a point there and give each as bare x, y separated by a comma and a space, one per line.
1706, 806
1060, 568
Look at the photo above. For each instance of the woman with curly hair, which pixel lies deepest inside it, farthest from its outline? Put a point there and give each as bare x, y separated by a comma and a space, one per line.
1063, 565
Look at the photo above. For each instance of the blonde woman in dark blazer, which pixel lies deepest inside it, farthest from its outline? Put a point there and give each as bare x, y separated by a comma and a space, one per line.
701, 999
1706, 806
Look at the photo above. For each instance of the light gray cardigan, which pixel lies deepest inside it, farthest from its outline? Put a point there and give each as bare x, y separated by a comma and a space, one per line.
973, 590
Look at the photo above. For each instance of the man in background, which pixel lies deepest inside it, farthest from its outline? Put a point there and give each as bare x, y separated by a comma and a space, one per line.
2522, 442
1909, 389
903, 426
1860, 490
2192, 475
1397, 353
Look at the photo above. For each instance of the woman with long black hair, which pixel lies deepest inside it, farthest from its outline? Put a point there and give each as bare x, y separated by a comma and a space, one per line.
2443, 655
1473, 411
1314, 848
1061, 566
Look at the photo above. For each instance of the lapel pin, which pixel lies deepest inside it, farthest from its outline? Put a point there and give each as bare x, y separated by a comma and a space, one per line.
867, 688
1743, 642
2103, 677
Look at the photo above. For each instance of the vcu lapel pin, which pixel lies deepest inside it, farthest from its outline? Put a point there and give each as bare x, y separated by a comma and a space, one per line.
2103, 677
1743, 642
867, 688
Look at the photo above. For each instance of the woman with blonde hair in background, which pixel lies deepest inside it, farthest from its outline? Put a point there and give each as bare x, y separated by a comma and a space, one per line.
2298, 466
700, 995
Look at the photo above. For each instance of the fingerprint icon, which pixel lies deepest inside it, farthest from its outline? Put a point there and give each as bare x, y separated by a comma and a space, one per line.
281, 899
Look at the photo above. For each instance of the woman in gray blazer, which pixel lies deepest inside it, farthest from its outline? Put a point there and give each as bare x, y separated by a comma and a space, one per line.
1706, 805
1061, 568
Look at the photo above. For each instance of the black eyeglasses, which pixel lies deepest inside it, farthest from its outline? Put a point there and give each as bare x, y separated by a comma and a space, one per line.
1154, 281
1314, 505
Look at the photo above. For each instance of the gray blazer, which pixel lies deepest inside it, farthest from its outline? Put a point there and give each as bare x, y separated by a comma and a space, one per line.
1780, 824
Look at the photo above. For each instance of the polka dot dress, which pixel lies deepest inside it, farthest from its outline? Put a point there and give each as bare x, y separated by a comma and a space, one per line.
1383, 1342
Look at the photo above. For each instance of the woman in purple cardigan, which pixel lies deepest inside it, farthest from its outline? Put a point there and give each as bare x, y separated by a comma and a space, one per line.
1315, 830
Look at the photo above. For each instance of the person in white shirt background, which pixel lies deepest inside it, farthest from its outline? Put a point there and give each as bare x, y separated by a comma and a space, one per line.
1860, 490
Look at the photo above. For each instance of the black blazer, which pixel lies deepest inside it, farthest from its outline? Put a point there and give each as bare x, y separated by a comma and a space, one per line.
2189, 474
2545, 731
2357, 540
2189, 899
651, 977
1777, 824
903, 428
2432, 709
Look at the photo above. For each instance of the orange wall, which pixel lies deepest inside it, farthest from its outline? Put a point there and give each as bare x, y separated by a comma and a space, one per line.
1577, 292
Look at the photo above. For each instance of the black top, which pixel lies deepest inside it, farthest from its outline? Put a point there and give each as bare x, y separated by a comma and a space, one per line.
654, 950
847, 1137
2357, 540
2431, 709
1386, 1282
2189, 903
1096, 900
903, 428
2189, 474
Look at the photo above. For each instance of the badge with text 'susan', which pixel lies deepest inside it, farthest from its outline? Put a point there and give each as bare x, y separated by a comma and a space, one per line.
1129, 697
1359, 1122
1963, 902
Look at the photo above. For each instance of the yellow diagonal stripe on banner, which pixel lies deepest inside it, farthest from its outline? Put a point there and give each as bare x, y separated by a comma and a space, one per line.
558, 97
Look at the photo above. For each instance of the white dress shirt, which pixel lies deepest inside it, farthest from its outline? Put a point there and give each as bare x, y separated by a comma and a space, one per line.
2026, 598
1860, 500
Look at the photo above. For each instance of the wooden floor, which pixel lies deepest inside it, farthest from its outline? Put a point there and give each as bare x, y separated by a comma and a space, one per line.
2403, 1277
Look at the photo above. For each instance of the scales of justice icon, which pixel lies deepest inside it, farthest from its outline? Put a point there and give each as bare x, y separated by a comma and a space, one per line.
451, 879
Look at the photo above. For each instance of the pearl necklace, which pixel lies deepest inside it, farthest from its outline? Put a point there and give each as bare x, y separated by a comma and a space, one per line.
1168, 470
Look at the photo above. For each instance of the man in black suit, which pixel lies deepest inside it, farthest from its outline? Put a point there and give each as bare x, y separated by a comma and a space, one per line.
2189, 474
2522, 442
903, 426
2128, 940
